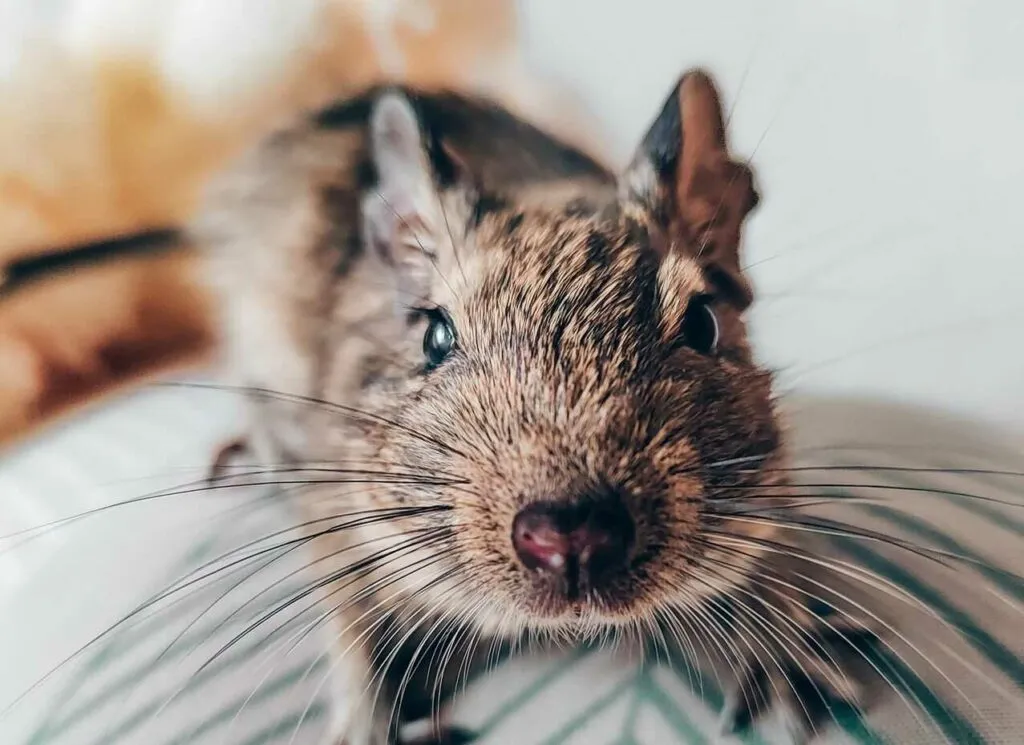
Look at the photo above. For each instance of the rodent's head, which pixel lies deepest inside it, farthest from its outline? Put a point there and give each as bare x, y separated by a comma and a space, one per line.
572, 366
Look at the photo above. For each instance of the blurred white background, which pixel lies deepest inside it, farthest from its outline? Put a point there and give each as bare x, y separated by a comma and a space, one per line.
886, 135
889, 248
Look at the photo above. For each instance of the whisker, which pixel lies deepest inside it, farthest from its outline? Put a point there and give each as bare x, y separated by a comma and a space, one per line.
326, 557
759, 581
675, 622
825, 526
466, 670
889, 628
376, 587
855, 448
204, 485
1004, 315
870, 579
315, 402
466, 639
929, 449
897, 634
780, 491
429, 639
366, 592
451, 237
431, 539
383, 605
152, 601
297, 638
844, 568
429, 254
384, 666
368, 517
373, 464
362, 565
357, 518
695, 610
901, 469
705, 237
772, 633
274, 585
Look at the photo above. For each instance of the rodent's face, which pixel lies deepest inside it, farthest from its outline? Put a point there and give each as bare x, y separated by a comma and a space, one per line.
575, 375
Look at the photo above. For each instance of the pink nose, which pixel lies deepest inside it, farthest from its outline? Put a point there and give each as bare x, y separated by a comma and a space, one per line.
578, 543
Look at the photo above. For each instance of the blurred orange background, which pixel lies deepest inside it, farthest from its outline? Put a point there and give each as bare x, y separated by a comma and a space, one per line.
115, 114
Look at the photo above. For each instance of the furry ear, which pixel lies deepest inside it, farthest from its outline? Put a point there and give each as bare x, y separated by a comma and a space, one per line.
404, 218
685, 181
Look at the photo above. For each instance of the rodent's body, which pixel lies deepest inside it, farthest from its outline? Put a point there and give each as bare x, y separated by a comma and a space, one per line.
534, 371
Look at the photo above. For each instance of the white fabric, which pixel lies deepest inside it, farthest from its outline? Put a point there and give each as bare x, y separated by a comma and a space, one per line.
135, 686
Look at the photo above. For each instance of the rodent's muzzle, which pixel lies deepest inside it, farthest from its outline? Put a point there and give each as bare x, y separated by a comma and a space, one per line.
577, 545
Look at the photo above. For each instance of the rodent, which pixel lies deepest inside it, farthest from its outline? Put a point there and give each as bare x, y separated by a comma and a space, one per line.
540, 366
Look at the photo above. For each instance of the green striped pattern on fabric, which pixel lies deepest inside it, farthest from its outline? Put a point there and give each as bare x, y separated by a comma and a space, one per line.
138, 687
155, 680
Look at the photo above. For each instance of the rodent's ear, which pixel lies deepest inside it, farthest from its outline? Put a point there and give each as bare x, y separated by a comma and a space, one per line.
403, 215
686, 182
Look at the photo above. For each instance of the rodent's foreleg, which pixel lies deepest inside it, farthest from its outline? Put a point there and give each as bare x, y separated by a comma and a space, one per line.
446, 737
256, 443
224, 456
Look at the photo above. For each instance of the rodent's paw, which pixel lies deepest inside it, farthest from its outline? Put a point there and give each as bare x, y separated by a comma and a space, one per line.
806, 680
224, 456
447, 736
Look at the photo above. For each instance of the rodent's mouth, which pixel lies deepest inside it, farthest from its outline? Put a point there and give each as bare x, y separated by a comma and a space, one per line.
583, 619
554, 600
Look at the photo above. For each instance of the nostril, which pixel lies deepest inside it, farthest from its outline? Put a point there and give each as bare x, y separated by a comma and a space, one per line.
590, 538
538, 541
603, 542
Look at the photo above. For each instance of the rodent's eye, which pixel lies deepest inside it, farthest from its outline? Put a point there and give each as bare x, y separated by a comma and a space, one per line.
439, 339
700, 326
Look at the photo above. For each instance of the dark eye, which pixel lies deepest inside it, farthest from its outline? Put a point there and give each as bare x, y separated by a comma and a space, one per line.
439, 340
700, 326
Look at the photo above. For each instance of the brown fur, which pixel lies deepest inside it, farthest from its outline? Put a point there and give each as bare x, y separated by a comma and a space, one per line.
568, 289
77, 337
